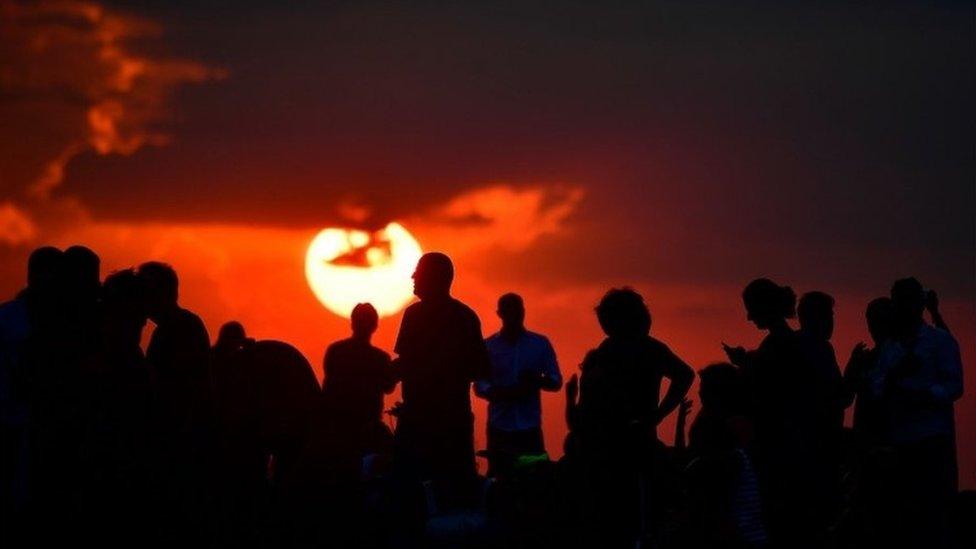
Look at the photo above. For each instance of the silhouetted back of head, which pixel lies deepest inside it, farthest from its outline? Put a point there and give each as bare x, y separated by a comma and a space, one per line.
879, 318
433, 276
623, 313
768, 302
364, 320
122, 289
231, 335
82, 272
160, 286
122, 301
908, 302
511, 309
908, 294
44, 267
720, 387
816, 313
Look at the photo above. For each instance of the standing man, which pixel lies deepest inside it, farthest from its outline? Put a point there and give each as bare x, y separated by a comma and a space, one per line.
522, 364
179, 357
825, 417
19, 319
919, 378
357, 375
441, 352
179, 350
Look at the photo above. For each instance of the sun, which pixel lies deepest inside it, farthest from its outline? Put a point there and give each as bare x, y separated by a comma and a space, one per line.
348, 266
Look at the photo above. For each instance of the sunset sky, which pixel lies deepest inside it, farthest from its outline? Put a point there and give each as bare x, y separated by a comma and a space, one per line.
555, 149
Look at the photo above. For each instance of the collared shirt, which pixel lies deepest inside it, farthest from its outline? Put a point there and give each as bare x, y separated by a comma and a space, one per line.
923, 406
531, 352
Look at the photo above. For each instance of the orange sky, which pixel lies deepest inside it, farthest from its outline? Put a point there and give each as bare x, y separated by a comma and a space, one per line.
680, 149
256, 275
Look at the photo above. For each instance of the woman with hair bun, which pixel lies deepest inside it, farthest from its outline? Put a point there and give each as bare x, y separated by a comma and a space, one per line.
781, 384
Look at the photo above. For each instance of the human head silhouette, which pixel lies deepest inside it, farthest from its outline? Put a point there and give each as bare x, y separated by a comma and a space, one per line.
364, 320
82, 273
161, 288
433, 276
511, 309
623, 313
768, 303
123, 304
816, 314
44, 268
231, 335
908, 304
879, 318
720, 387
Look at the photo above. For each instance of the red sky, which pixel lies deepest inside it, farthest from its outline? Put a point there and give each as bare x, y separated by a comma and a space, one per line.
681, 150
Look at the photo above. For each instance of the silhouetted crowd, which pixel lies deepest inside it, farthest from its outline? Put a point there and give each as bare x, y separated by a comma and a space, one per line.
237, 445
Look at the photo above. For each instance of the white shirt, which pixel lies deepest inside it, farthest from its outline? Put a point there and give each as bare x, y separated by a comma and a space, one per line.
936, 383
532, 352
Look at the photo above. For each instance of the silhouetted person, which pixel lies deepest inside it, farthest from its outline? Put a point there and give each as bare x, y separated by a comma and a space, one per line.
265, 411
441, 352
357, 375
19, 319
348, 434
230, 339
64, 352
870, 423
522, 364
179, 358
619, 412
785, 397
179, 350
722, 397
726, 509
874, 492
816, 315
831, 397
83, 279
224, 368
120, 433
919, 378
240, 473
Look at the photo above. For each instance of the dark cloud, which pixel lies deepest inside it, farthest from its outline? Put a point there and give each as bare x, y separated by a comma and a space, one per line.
827, 140
398, 107
70, 85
